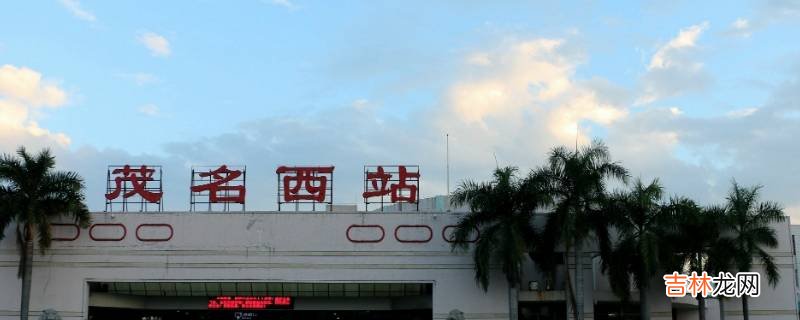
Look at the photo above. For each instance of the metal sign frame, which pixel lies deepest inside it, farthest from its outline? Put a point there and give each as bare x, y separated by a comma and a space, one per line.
153, 183
305, 178
380, 180
200, 200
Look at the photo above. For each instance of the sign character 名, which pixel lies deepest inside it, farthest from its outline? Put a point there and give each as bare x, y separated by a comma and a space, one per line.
220, 188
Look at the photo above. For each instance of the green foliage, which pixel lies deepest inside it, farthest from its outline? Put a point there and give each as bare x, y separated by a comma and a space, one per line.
638, 219
32, 194
577, 182
501, 211
749, 221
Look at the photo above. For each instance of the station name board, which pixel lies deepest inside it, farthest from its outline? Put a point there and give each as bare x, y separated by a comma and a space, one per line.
249, 303
223, 188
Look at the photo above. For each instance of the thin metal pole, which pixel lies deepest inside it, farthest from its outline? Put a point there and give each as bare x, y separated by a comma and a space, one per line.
447, 147
191, 193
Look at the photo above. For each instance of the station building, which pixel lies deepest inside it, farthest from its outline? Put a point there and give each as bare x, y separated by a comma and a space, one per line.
336, 264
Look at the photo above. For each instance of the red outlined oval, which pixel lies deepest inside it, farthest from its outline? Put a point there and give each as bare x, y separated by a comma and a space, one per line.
64, 225
154, 225
477, 234
108, 225
365, 226
413, 226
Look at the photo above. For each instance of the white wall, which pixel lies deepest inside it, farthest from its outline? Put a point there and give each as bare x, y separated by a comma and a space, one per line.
270, 247
307, 247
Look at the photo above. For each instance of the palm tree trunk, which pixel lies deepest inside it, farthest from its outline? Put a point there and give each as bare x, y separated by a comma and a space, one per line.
644, 308
568, 287
26, 274
513, 302
721, 308
579, 278
745, 308
701, 308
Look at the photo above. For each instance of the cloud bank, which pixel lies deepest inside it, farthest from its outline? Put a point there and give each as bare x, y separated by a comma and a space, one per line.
24, 95
509, 104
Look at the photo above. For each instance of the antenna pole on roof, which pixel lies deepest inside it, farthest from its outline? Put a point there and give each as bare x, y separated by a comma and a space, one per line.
447, 168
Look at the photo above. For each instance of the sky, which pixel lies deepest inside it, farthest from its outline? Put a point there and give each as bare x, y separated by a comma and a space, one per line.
696, 94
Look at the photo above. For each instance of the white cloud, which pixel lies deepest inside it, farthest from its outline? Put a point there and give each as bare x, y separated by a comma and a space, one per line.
74, 7
157, 44
141, 78
150, 110
673, 69
479, 59
284, 3
687, 38
741, 113
23, 93
766, 13
26, 86
531, 78
698, 156
361, 104
741, 27
779, 9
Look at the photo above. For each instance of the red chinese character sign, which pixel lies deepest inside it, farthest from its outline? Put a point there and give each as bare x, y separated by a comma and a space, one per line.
391, 184
131, 188
217, 188
305, 185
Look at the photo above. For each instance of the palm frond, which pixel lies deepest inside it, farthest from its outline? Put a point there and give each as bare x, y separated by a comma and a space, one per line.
32, 193
502, 212
763, 235
44, 236
751, 223
482, 257
770, 267
769, 212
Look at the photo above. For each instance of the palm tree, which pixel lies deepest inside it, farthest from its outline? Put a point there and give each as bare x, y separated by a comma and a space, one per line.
31, 194
576, 181
719, 255
502, 211
637, 217
691, 240
751, 232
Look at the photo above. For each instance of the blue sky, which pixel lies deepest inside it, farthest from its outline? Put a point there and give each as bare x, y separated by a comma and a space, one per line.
679, 89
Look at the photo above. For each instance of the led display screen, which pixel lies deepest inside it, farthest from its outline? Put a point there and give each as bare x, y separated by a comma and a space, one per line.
249, 303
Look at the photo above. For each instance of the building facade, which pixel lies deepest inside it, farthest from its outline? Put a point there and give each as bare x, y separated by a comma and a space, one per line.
332, 265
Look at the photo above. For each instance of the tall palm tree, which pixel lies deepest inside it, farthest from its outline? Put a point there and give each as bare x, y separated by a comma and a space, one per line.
31, 194
576, 181
751, 231
719, 255
637, 218
502, 211
690, 240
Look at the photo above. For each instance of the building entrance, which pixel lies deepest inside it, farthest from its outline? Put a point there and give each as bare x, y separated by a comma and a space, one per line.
259, 301
99, 313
